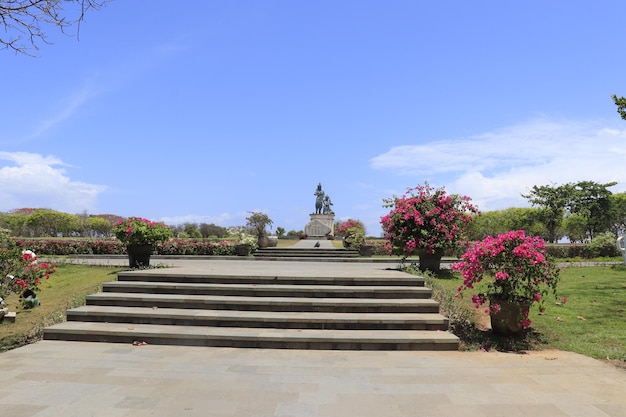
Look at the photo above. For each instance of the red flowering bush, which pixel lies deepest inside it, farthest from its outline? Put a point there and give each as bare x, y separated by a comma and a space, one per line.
30, 273
426, 220
518, 267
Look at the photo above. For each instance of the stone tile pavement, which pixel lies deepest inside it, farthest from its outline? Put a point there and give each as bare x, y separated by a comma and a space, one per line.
83, 379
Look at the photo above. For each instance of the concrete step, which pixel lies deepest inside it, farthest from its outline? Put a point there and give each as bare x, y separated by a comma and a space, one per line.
164, 275
253, 338
268, 290
306, 253
214, 302
260, 319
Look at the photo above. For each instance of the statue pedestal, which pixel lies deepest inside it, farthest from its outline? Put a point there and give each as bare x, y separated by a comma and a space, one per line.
320, 225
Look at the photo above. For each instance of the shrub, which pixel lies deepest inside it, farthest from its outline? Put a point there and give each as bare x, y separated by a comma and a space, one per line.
426, 220
604, 245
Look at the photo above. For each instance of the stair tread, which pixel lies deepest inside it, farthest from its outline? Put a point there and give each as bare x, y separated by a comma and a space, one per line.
261, 287
140, 331
260, 315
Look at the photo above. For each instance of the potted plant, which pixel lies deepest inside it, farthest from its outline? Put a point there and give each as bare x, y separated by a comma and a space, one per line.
246, 243
519, 273
140, 236
259, 221
426, 221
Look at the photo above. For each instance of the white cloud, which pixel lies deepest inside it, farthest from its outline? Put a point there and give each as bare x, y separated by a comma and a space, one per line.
494, 168
40, 181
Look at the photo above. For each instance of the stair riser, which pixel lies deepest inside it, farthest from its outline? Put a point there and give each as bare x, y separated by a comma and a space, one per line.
112, 287
211, 305
255, 343
203, 279
267, 324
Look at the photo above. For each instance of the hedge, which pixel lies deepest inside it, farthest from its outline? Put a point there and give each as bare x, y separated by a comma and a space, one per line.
115, 247
225, 248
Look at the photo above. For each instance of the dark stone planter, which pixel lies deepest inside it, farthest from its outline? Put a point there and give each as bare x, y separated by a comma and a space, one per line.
430, 262
139, 255
366, 250
243, 250
509, 320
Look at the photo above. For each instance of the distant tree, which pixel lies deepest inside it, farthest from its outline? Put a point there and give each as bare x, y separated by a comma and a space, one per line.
618, 213
208, 230
493, 223
49, 223
620, 102
23, 22
575, 228
292, 234
111, 218
552, 200
591, 200
280, 232
190, 229
99, 226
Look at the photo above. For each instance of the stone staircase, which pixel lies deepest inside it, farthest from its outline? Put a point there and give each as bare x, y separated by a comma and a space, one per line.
262, 311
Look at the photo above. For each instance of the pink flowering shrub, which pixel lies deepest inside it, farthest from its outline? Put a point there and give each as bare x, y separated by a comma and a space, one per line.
138, 231
427, 220
343, 227
518, 268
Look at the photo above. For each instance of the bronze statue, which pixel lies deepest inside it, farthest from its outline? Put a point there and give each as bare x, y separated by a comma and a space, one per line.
327, 204
319, 200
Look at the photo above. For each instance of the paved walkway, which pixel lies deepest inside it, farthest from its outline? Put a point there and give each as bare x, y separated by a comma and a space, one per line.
80, 379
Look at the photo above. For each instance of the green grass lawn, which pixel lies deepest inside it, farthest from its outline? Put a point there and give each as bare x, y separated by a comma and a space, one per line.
592, 321
65, 289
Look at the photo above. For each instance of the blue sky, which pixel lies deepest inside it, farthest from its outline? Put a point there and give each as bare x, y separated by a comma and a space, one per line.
204, 113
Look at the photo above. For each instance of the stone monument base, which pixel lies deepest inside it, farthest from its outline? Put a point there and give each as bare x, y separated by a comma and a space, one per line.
320, 226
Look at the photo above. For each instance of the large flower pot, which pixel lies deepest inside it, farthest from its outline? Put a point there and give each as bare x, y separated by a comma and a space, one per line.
366, 250
139, 255
430, 261
243, 250
510, 317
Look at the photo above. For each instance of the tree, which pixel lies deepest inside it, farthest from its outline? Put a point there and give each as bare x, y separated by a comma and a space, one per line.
575, 228
208, 230
23, 21
618, 213
553, 200
494, 223
280, 232
591, 200
620, 102
258, 221
99, 226
46, 222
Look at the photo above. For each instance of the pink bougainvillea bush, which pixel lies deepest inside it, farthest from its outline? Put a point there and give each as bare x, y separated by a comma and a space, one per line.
516, 266
139, 231
426, 219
